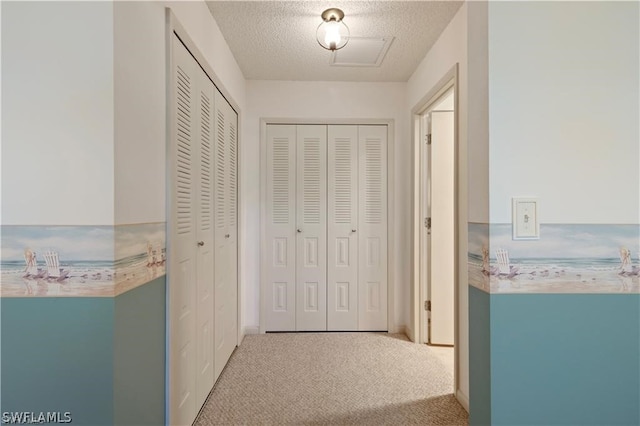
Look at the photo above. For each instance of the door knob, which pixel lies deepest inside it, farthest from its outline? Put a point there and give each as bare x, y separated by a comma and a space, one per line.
227, 236
353, 230
200, 243
299, 230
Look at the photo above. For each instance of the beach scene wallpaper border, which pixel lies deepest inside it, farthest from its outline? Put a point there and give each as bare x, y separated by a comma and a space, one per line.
568, 258
140, 253
80, 261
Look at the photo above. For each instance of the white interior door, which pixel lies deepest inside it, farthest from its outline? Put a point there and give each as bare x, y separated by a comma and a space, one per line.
372, 228
311, 243
231, 323
279, 261
342, 224
183, 359
205, 98
441, 275
225, 284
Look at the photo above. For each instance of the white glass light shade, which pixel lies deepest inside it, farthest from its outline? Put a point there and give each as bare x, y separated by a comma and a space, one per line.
333, 33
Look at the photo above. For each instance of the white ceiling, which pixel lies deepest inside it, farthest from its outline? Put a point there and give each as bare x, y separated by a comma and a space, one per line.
275, 40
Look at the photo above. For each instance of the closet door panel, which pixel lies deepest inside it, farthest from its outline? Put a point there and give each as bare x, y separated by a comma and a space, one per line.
280, 232
342, 224
225, 226
183, 153
372, 228
232, 229
311, 212
205, 238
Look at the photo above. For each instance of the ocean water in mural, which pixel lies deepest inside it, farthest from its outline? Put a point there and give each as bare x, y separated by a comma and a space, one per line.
57, 261
566, 259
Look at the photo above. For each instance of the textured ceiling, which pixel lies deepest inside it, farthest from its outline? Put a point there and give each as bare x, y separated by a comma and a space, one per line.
275, 40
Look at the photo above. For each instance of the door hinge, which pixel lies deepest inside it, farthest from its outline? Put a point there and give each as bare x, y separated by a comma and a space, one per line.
427, 223
429, 139
427, 305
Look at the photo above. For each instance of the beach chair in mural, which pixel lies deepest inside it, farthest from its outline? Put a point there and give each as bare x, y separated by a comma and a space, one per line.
53, 266
151, 255
625, 261
504, 268
31, 270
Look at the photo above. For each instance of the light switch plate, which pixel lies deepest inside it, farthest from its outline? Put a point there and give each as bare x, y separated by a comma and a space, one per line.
524, 219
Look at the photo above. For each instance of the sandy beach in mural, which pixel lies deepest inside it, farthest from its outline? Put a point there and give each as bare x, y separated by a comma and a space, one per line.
553, 276
597, 259
83, 279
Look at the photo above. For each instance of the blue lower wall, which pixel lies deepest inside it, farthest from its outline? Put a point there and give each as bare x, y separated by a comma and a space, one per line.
57, 355
479, 358
563, 359
139, 355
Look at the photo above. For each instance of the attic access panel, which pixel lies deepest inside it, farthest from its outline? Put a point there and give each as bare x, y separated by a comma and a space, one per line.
362, 52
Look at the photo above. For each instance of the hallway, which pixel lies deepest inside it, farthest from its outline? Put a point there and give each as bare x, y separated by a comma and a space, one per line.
333, 378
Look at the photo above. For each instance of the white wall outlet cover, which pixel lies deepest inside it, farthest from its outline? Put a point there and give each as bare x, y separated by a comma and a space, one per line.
524, 218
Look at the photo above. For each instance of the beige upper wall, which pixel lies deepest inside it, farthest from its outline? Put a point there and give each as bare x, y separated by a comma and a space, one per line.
57, 113
564, 89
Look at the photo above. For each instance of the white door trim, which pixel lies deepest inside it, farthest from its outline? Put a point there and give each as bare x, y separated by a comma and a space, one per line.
390, 123
446, 83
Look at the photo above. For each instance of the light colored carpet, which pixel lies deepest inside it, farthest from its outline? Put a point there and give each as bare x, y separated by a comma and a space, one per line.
333, 378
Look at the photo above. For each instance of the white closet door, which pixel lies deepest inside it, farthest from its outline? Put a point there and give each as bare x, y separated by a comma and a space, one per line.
232, 230
204, 235
225, 286
280, 247
182, 228
342, 228
311, 244
372, 228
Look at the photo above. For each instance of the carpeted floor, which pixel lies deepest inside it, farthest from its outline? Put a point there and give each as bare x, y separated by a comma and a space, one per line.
333, 378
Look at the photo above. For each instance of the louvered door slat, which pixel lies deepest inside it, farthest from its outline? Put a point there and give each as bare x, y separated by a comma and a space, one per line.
220, 166
233, 174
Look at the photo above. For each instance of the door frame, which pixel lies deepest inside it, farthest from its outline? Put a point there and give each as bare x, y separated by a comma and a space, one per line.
390, 123
449, 81
173, 26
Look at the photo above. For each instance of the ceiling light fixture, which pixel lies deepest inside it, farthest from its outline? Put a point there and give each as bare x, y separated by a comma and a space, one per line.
332, 33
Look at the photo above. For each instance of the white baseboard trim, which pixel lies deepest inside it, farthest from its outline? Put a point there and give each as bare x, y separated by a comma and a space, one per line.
462, 399
251, 329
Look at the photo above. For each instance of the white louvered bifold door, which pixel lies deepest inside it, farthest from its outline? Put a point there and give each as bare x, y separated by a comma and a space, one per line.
372, 228
279, 256
205, 246
311, 243
225, 282
342, 228
231, 323
183, 153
